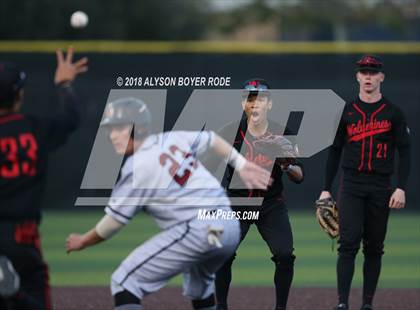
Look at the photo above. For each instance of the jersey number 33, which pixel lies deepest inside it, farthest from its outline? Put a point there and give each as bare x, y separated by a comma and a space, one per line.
19, 156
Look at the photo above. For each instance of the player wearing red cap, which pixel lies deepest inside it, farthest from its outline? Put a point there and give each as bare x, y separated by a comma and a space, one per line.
273, 221
370, 130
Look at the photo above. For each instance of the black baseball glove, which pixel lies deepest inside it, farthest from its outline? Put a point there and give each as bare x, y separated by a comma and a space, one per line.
277, 146
327, 216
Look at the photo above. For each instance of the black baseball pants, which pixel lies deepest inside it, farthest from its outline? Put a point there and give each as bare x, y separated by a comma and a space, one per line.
363, 201
274, 226
20, 243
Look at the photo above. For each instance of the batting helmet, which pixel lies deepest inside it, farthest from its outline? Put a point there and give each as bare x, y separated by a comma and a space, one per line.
130, 111
12, 80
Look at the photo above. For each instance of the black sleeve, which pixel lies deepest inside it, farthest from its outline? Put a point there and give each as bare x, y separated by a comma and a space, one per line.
331, 167
402, 140
292, 138
57, 128
334, 155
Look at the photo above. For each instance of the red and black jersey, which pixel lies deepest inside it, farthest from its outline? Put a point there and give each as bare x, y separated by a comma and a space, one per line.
237, 132
368, 135
25, 142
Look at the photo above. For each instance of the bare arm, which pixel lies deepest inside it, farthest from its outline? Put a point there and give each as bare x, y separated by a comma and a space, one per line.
77, 242
103, 230
227, 152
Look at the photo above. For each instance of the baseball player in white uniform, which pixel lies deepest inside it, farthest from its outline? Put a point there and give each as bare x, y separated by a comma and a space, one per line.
163, 177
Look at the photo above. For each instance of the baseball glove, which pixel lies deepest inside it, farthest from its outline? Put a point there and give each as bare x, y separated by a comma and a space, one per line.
327, 216
277, 146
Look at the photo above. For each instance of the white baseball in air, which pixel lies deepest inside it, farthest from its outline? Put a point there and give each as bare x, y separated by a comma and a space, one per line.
79, 19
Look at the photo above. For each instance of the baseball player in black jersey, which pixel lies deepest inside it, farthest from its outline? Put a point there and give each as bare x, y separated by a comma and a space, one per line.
370, 130
25, 143
273, 222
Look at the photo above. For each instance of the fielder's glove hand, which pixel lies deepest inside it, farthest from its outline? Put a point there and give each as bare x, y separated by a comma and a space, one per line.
277, 146
327, 216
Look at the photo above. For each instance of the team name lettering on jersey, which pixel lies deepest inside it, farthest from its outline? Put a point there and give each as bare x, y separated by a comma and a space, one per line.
261, 160
358, 131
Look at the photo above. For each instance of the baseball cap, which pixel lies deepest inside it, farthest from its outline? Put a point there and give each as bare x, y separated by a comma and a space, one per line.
12, 80
370, 63
256, 85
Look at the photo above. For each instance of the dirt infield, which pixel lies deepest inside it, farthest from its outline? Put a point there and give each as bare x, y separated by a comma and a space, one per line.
249, 298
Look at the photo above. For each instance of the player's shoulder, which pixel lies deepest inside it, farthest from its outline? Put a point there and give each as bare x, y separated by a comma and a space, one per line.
13, 117
150, 149
350, 104
144, 159
19, 122
351, 107
394, 110
391, 104
229, 127
180, 135
277, 128
183, 139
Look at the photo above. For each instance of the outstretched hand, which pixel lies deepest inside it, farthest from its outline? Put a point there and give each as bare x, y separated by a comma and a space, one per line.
74, 242
67, 70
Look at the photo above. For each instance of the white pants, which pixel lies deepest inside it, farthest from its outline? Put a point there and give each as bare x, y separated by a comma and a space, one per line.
184, 249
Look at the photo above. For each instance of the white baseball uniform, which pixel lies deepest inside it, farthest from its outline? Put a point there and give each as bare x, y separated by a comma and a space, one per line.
164, 178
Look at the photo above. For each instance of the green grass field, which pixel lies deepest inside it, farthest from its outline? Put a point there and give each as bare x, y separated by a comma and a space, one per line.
315, 263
